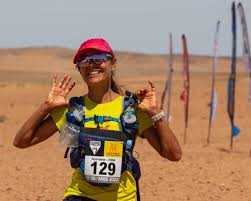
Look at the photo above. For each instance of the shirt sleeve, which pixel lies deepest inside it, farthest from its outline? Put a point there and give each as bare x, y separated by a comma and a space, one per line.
144, 122
59, 117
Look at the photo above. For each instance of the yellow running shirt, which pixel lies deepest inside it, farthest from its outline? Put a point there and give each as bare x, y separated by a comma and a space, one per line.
126, 190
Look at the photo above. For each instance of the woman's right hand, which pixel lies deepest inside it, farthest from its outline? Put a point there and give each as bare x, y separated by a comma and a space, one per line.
59, 91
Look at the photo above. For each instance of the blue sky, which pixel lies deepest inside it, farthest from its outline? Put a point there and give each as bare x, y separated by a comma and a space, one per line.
132, 25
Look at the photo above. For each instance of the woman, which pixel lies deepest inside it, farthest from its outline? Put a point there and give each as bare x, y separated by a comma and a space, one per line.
96, 64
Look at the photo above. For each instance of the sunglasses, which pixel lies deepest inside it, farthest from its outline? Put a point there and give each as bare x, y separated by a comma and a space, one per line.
97, 59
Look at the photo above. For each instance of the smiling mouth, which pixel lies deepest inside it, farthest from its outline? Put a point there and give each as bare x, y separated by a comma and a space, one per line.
94, 72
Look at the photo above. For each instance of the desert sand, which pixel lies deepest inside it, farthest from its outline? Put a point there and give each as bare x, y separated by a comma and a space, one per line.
205, 173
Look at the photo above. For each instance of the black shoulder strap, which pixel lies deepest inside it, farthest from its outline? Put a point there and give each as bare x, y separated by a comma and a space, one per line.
76, 101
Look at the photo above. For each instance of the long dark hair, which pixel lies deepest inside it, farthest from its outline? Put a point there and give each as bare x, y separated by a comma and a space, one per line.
115, 85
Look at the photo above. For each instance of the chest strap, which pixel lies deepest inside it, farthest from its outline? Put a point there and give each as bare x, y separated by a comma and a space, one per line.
101, 119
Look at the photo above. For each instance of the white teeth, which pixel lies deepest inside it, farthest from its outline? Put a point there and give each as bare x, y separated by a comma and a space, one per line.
93, 73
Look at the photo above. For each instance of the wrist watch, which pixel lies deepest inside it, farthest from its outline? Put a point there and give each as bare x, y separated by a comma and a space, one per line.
158, 116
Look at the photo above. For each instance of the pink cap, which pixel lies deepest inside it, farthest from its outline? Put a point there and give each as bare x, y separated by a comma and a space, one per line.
94, 43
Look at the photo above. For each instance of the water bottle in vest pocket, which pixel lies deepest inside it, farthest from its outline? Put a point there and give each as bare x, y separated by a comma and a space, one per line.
69, 134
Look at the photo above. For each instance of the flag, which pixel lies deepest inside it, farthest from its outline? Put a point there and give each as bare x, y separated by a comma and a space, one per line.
185, 93
246, 49
213, 102
231, 82
168, 84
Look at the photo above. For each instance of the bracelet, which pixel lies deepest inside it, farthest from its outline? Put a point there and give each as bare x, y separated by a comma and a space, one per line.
158, 116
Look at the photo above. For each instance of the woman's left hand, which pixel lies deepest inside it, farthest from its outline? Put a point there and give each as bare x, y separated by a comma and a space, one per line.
147, 100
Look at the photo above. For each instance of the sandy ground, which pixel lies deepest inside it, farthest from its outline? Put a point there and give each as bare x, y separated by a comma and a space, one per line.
205, 173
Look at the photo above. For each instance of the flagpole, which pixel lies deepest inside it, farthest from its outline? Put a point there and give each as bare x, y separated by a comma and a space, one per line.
232, 138
163, 96
208, 134
170, 72
185, 134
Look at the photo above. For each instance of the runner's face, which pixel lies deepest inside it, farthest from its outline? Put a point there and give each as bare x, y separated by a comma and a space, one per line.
97, 73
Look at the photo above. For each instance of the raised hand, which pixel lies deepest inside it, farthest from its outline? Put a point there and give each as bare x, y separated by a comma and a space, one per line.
59, 91
147, 99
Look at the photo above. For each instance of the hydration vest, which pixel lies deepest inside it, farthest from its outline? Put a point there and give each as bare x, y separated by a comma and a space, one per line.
103, 155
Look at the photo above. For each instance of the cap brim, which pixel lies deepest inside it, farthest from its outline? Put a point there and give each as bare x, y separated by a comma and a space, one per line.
81, 53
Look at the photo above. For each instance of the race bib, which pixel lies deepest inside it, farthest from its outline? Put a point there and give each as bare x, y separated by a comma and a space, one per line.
103, 164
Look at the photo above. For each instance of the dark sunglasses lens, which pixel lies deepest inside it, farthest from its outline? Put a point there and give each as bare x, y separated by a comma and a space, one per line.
99, 61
